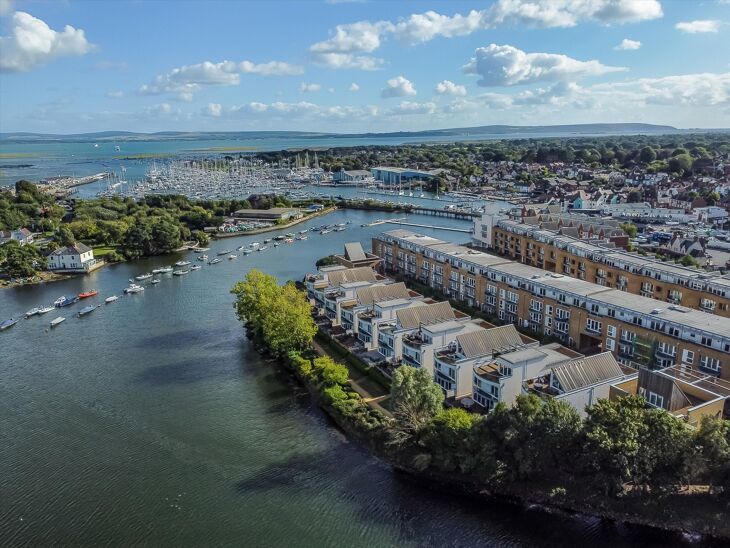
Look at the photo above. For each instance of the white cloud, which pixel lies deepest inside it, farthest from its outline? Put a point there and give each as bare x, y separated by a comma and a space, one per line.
698, 90
189, 79
398, 87
354, 87
305, 87
347, 61
699, 26
213, 109
447, 87
34, 43
627, 44
410, 107
347, 40
115, 94
507, 66
6, 6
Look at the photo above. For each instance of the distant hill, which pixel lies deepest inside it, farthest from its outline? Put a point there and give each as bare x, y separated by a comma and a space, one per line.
501, 130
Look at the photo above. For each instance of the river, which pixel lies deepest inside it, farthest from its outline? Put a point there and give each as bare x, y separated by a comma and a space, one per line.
152, 421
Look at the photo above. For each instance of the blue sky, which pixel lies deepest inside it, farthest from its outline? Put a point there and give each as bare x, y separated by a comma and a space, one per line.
354, 66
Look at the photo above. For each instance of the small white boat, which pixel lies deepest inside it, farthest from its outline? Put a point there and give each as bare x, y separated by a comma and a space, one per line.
304, 231
155, 282
162, 270
45, 309
214, 261
56, 321
88, 310
134, 288
203, 258
247, 251
182, 263
240, 248
32, 312
59, 301
196, 267
276, 244
264, 248
325, 231
232, 256
201, 249
254, 244
141, 277
111, 299
224, 252
180, 272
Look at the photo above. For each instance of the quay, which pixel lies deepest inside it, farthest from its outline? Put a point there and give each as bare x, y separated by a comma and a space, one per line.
451, 228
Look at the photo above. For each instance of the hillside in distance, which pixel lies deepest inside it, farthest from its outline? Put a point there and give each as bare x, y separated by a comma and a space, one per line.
475, 132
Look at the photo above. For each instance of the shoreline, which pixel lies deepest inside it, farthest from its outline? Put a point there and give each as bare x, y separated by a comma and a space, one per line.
221, 235
665, 517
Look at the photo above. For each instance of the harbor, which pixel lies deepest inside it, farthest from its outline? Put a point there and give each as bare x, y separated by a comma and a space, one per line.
129, 399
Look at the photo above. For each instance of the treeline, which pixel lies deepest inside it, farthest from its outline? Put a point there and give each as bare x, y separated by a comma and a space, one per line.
623, 449
677, 153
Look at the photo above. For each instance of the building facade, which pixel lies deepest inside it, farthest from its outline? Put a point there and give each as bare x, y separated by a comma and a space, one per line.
589, 317
73, 258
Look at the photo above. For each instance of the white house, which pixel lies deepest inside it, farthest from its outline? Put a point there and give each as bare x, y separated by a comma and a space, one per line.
23, 236
72, 258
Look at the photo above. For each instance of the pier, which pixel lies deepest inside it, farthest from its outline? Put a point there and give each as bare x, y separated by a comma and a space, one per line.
451, 228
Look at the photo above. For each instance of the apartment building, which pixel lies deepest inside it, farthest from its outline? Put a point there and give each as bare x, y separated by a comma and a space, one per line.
599, 261
455, 362
637, 330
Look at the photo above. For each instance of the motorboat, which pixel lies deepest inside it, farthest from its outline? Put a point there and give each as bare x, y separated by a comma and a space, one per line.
141, 277
302, 237
134, 288
214, 261
162, 270
154, 282
7, 324
324, 231
59, 301
111, 299
221, 253
180, 272
87, 294
32, 312
87, 310
232, 256
247, 251
340, 229
56, 321
196, 267
201, 249
263, 248
182, 263
69, 300
279, 237
203, 258
289, 235
304, 231
240, 248
256, 244
276, 244
267, 241
45, 309
289, 240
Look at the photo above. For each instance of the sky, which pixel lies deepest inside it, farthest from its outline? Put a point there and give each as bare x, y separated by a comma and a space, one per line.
71, 66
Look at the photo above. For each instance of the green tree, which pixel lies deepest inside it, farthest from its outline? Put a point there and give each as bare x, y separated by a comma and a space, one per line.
21, 261
712, 439
64, 236
647, 155
450, 440
416, 399
689, 260
165, 236
330, 372
630, 229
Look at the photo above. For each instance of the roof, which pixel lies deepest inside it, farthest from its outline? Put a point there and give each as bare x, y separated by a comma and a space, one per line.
483, 342
386, 292
448, 325
583, 372
410, 318
354, 252
78, 248
360, 274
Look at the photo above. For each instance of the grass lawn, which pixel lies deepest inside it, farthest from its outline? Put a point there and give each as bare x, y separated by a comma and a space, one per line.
103, 250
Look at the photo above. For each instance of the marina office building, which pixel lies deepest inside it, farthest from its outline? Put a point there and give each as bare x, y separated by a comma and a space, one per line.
637, 330
544, 242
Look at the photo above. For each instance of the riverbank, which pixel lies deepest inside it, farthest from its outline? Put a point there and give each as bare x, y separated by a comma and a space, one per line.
40, 278
693, 511
220, 235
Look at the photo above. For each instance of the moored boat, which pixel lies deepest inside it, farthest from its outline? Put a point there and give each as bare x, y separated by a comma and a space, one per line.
45, 309
301, 237
162, 270
201, 249
145, 276
7, 324
264, 248
196, 267
134, 288
153, 282
180, 272
182, 263
69, 300
87, 310
56, 321
111, 299
232, 256
32, 312
214, 261
221, 253
203, 258
58, 301
247, 251
87, 294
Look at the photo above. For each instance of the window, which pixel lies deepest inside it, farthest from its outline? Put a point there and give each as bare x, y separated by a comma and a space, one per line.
707, 341
611, 330
610, 345
688, 356
593, 325
711, 364
655, 399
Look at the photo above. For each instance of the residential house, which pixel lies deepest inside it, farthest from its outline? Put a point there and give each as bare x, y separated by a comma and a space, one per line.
73, 258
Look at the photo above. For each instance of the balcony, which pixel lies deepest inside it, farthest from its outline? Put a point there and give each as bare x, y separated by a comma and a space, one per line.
662, 353
414, 340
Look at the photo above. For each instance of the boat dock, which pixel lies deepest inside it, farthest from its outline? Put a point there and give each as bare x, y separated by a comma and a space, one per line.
451, 228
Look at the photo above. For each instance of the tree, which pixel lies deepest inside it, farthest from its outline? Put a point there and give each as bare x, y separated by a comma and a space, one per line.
647, 155
64, 236
630, 229
165, 236
330, 372
329, 260
21, 261
416, 400
689, 260
712, 439
449, 437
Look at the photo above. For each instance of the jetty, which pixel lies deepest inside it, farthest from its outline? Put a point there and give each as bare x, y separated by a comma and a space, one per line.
451, 228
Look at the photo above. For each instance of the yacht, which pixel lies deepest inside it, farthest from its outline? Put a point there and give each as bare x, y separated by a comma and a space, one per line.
289, 241
324, 231
240, 248
304, 231
32, 312
69, 300
111, 299
182, 263
162, 270
141, 277
56, 321
267, 241
276, 244
180, 272
59, 301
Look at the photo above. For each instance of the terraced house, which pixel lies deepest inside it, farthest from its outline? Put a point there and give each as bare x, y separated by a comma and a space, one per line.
547, 242
588, 317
